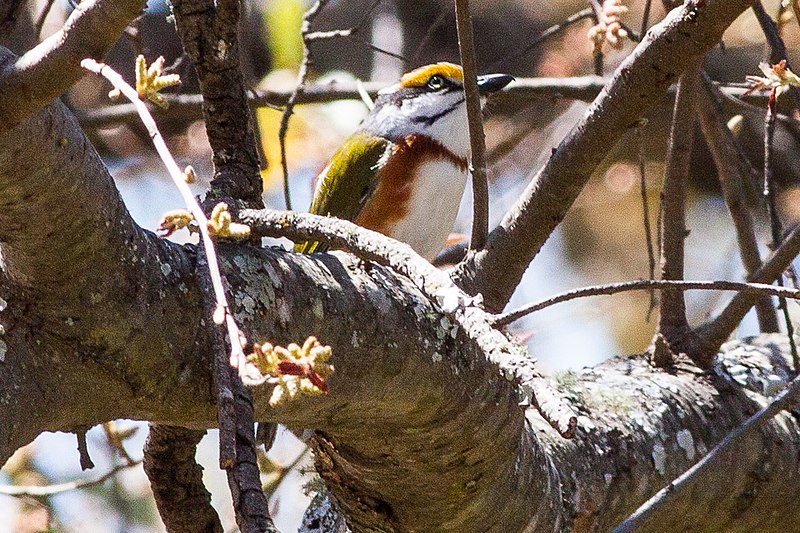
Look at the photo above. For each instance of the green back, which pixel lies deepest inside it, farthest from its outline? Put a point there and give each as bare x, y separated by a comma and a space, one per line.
347, 183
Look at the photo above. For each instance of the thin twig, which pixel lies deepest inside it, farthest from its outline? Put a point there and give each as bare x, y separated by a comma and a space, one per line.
772, 212
224, 380
735, 173
719, 329
83, 450
647, 284
237, 357
523, 90
672, 326
734, 95
46, 491
378, 49
283, 471
645, 17
43, 16
506, 59
647, 513
477, 139
776, 45
648, 234
597, 16
302, 73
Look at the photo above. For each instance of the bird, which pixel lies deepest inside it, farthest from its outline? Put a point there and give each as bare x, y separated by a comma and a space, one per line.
403, 172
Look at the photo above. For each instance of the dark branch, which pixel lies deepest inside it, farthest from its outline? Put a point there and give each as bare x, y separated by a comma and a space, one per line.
209, 34
673, 328
646, 284
477, 139
735, 175
183, 502
297, 92
523, 91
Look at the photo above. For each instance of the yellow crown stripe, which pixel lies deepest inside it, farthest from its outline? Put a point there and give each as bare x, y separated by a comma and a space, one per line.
420, 76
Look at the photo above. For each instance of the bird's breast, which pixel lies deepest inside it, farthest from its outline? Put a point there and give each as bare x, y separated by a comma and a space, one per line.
417, 197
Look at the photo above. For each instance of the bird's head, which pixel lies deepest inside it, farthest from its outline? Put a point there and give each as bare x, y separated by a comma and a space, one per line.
429, 101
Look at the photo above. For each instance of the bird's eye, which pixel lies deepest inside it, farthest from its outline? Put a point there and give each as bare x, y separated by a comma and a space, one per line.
435, 82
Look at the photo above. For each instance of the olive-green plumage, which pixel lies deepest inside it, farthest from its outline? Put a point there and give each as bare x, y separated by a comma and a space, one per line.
347, 182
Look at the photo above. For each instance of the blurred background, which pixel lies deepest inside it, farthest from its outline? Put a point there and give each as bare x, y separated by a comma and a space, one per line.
602, 239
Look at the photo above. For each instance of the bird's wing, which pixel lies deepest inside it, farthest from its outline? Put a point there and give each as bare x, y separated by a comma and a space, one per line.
347, 182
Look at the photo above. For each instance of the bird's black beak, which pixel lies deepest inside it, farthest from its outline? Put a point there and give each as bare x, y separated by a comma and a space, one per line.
491, 83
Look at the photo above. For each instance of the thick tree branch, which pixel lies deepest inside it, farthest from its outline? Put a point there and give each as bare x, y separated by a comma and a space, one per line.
652, 513
209, 33
183, 502
30, 82
391, 395
670, 47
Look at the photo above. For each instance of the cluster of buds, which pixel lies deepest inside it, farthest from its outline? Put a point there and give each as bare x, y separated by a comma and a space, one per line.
220, 224
295, 369
609, 28
149, 81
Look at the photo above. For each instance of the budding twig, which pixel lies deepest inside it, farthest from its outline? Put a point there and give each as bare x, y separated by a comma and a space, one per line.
222, 313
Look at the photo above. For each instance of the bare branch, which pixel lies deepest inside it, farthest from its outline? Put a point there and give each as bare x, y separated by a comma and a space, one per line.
646, 284
30, 82
648, 234
434, 283
645, 17
731, 164
776, 229
46, 491
183, 502
718, 330
298, 90
670, 47
477, 139
523, 91
673, 328
209, 34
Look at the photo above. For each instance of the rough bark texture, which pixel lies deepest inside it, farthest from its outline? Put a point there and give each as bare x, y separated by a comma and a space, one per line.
208, 32
183, 502
419, 430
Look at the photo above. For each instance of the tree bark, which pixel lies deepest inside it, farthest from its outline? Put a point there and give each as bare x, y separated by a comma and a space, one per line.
420, 429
